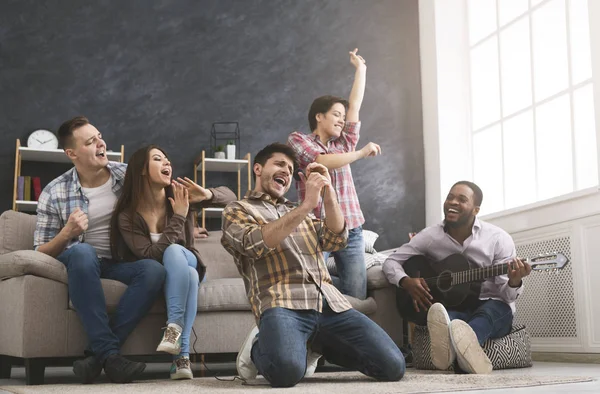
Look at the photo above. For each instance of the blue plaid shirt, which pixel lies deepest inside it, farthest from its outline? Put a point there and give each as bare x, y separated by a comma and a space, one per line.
61, 197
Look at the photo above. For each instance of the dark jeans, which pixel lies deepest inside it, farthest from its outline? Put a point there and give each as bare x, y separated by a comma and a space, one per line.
351, 278
349, 339
144, 280
488, 318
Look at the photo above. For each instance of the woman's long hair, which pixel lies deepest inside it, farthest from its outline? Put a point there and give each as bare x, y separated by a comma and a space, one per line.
132, 195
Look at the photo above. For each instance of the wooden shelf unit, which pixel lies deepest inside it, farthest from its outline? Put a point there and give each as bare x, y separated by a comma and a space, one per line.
204, 164
23, 153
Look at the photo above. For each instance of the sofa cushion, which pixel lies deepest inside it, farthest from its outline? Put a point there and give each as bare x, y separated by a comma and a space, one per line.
376, 278
16, 231
224, 294
219, 263
29, 262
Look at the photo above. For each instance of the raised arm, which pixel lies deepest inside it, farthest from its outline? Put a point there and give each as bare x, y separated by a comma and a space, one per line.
358, 88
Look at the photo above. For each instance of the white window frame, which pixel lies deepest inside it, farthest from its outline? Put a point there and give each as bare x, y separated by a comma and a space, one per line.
576, 193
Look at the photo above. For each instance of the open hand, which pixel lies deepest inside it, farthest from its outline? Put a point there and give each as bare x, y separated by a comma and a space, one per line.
196, 192
419, 291
179, 201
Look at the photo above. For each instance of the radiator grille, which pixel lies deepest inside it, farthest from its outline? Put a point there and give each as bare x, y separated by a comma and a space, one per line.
547, 305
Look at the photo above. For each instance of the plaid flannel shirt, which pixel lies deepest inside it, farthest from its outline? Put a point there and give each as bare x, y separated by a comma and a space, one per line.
290, 274
61, 197
308, 147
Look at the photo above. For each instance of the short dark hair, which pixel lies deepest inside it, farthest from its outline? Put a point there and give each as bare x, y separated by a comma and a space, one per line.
476, 191
322, 105
268, 151
65, 131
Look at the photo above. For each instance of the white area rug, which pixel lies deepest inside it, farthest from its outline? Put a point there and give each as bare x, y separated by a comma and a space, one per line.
337, 382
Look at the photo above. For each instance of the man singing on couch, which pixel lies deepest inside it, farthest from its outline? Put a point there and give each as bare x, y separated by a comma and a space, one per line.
73, 216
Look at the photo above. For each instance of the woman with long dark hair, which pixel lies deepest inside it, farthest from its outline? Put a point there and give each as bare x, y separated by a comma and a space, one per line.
152, 219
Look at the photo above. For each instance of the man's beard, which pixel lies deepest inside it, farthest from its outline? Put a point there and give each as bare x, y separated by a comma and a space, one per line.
462, 220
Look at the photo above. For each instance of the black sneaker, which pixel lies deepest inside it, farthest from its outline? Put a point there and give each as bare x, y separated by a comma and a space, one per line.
87, 370
120, 370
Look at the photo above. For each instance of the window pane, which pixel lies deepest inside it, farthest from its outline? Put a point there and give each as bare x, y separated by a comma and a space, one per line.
554, 148
519, 160
487, 167
550, 49
508, 10
515, 60
482, 19
586, 153
535, 2
581, 59
485, 91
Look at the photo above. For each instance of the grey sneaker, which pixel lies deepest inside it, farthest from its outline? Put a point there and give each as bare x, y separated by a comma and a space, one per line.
181, 369
312, 359
171, 340
245, 367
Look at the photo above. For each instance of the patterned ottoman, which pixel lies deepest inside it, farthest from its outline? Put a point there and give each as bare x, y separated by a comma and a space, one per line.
510, 351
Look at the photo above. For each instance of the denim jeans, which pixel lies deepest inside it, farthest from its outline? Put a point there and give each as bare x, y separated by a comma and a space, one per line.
349, 339
144, 280
351, 276
181, 291
488, 318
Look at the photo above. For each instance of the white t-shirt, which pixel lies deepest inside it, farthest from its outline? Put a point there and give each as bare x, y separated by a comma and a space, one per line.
101, 202
155, 237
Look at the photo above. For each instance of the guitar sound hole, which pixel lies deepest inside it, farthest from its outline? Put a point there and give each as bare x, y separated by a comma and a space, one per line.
444, 282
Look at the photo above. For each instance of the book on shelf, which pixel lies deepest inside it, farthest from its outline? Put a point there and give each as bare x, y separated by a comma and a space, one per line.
27, 188
36, 184
20, 186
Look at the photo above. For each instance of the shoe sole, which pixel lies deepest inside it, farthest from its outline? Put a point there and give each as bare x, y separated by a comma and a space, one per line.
438, 325
470, 355
181, 376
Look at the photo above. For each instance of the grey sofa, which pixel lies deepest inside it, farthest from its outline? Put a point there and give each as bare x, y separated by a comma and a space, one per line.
39, 327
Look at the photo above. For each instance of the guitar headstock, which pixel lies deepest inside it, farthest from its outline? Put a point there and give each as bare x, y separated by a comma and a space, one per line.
548, 261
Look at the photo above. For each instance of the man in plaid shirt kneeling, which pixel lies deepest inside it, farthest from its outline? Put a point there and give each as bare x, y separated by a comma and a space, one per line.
277, 246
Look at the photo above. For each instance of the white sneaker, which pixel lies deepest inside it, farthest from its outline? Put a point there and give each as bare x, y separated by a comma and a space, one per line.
470, 355
245, 367
181, 369
171, 340
312, 359
438, 324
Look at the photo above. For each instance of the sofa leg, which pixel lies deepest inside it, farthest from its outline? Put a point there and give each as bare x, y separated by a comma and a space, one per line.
34, 371
5, 367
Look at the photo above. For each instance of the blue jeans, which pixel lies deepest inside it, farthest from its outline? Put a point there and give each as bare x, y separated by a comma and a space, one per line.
144, 280
349, 339
351, 276
181, 291
488, 318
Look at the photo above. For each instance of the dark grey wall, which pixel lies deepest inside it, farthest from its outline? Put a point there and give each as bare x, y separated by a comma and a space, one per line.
163, 71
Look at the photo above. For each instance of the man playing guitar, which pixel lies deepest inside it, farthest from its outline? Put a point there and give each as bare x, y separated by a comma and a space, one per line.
487, 312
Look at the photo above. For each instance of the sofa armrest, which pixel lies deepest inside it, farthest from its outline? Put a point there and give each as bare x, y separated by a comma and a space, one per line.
30, 262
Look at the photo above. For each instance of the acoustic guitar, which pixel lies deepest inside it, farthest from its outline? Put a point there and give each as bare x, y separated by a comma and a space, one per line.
455, 278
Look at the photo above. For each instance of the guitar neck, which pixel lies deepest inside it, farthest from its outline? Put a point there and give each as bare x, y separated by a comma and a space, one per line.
479, 274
